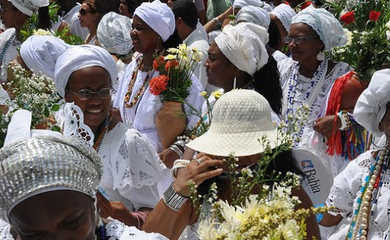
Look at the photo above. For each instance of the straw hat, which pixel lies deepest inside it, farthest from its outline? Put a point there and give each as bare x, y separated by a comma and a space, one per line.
241, 118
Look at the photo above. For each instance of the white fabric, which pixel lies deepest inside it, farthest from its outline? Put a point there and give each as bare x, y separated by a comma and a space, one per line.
114, 230
83, 56
158, 16
243, 3
7, 38
285, 14
131, 168
324, 24
72, 18
244, 46
40, 53
4, 97
197, 40
142, 116
370, 107
240, 118
254, 15
29, 7
113, 33
343, 196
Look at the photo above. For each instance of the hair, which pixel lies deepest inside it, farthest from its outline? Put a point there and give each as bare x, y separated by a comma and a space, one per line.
283, 162
173, 41
266, 81
274, 36
187, 11
44, 18
133, 4
99, 6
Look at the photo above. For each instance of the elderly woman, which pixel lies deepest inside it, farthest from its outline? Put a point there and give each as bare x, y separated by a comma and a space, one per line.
54, 197
240, 119
360, 194
14, 14
308, 76
153, 31
85, 75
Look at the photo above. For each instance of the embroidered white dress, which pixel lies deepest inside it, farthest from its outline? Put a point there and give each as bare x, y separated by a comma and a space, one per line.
142, 116
115, 230
343, 195
131, 168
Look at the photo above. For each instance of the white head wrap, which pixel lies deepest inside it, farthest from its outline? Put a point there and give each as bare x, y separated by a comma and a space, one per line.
40, 53
158, 16
243, 3
113, 33
244, 46
370, 107
254, 15
79, 57
29, 7
324, 24
265, 6
285, 14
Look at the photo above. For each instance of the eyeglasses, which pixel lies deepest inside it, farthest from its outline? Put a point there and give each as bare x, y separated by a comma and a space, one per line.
298, 40
3, 9
83, 12
86, 94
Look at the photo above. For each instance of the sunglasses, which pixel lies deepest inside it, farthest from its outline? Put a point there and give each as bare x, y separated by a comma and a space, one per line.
83, 12
86, 94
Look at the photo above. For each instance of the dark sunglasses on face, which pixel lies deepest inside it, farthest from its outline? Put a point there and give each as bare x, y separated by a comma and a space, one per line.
298, 40
83, 12
86, 94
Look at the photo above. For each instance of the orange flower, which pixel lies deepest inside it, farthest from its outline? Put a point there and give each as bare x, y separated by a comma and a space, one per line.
374, 15
158, 84
157, 62
348, 17
171, 64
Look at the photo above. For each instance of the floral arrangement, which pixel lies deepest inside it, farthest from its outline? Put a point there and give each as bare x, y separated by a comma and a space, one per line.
33, 92
367, 26
176, 69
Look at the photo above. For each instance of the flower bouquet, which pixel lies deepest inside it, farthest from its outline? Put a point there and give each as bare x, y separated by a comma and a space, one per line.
32, 92
173, 87
367, 27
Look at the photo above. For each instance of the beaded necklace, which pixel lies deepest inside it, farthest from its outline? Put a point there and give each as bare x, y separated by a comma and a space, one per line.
102, 134
2, 54
100, 232
131, 85
311, 93
368, 192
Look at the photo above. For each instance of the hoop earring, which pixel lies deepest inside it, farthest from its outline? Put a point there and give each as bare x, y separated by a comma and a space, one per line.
234, 82
320, 56
157, 47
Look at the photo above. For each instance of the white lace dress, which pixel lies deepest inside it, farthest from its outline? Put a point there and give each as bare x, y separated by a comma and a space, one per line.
115, 230
142, 115
343, 195
131, 168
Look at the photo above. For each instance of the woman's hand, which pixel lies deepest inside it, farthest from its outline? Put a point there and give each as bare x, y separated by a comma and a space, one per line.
168, 156
324, 125
201, 168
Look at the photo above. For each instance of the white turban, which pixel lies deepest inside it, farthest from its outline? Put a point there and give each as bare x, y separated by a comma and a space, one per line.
113, 33
285, 14
29, 7
158, 16
244, 46
370, 107
243, 3
254, 15
79, 57
324, 24
40, 53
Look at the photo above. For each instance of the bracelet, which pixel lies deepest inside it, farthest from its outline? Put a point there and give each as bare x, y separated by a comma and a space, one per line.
177, 150
172, 199
344, 118
179, 163
217, 23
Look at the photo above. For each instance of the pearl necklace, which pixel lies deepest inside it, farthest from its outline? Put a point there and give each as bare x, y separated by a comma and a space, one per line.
368, 189
310, 94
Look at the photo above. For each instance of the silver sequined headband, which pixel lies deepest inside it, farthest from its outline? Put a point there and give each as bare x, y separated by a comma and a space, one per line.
43, 164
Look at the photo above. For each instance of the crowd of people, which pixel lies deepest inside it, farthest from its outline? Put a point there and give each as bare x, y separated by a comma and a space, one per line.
108, 174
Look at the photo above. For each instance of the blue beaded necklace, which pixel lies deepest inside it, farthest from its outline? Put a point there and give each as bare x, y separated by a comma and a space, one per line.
2, 54
100, 231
